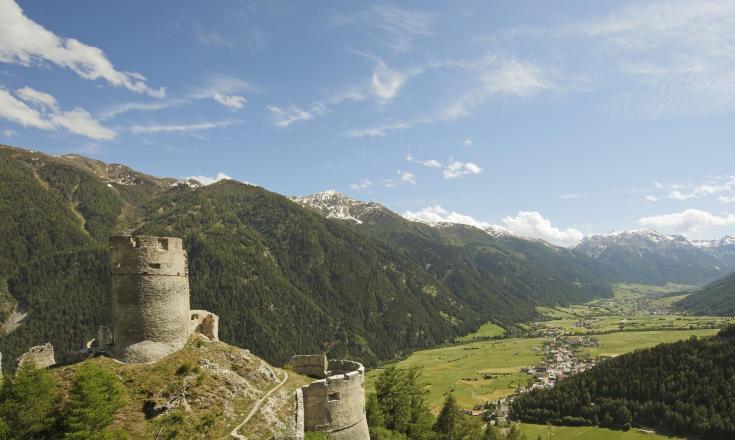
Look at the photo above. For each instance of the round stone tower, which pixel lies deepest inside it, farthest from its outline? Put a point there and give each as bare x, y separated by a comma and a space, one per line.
150, 297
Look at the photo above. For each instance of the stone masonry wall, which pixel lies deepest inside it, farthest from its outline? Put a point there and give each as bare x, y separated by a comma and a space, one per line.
150, 297
336, 404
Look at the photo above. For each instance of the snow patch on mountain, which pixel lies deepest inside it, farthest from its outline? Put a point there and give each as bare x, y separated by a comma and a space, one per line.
333, 204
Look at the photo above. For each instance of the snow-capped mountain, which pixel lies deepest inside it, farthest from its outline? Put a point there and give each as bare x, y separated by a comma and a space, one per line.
333, 204
646, 255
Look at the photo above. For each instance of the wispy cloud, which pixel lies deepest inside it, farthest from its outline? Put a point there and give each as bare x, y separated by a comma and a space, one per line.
363, 184
180, 128
33, 108
380, 130
25, 42
494, 76
284, 117
430, 163
8, 133
390, 27
572, 196
407, 177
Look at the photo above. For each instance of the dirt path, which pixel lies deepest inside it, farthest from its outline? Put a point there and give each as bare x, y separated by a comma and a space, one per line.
256, 407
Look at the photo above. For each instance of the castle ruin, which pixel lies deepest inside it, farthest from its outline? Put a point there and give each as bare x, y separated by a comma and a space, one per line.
335, 403
151, 317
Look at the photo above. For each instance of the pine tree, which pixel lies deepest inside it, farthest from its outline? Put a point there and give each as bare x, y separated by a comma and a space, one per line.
95, 396
29, 407
448, 419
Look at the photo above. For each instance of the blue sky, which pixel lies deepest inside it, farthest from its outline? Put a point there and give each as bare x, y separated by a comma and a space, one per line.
554, 119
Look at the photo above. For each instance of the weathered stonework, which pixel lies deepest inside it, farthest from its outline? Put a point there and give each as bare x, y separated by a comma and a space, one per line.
335, 404
41, 356
150, 297
205, 323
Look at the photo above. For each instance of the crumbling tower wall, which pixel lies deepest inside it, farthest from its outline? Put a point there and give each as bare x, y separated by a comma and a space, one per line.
334, 404
150, 297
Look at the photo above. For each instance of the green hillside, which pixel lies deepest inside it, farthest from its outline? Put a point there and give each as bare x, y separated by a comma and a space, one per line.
681, 388
283, 279
717, 298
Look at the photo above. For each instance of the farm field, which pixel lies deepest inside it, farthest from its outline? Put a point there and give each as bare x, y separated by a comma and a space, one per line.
533, 432
478, 369
488, 330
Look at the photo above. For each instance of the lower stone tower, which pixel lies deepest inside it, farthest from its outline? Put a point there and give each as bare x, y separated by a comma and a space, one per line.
150, 297
334, 404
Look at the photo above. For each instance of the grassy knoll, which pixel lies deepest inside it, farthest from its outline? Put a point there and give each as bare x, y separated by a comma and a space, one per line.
533, 432
488, 330
462, 368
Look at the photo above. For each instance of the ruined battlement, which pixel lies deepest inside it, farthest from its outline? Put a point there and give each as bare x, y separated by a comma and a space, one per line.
150, 297
146, 255
334, 404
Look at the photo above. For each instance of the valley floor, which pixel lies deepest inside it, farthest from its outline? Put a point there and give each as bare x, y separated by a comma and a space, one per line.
485, 366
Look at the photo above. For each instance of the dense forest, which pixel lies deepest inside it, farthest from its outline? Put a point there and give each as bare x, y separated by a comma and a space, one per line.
283, 279
682, 388
717, 298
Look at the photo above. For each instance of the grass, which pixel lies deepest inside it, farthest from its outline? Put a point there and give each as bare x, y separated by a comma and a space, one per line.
462, 369
485, 331
533, 432
623, 342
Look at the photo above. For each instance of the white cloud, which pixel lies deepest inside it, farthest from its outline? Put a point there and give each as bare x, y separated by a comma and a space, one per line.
180, 128
498, 77
119, 109
388, 183
437, 214
572, 196
723, 185
205, 180
692, 221
467, 142
48, 116
431, 163
18, 111
25, 42
533, 224
726, 199
364, 184
688, 48
286, 117
79, 121
380, 130
389, 26
386, 82
457, 169
34, 97
407, 177
8, 133
231, 101
651, 198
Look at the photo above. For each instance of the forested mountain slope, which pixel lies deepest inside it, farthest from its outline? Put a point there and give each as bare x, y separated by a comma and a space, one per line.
717, 298
682, 388
283, 279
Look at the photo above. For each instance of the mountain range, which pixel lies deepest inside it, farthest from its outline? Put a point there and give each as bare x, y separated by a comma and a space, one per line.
283, 278
286, 275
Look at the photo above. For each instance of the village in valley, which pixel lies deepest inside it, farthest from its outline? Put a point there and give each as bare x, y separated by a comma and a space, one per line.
573, 339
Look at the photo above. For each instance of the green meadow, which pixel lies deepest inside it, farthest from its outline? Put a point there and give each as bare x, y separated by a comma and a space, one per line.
534, 432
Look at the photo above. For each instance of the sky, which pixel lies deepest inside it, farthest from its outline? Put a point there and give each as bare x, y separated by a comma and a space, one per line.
554, 119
